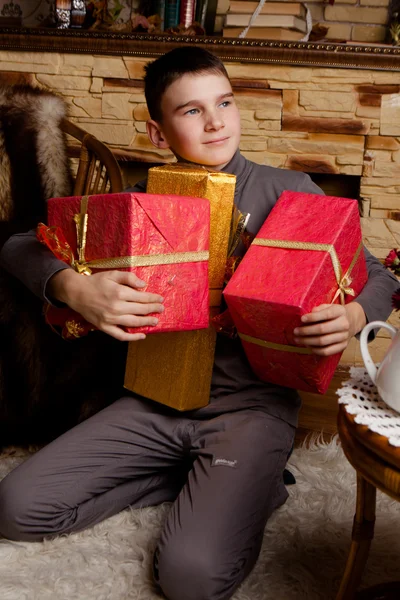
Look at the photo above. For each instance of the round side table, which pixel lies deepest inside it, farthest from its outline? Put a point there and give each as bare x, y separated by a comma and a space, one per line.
377, 464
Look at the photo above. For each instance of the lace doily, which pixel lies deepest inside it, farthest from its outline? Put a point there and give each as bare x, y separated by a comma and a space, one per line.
361, 398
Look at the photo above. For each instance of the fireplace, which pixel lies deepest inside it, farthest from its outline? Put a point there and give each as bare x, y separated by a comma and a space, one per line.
345, 186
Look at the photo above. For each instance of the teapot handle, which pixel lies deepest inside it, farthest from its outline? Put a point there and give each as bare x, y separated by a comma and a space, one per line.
369, 363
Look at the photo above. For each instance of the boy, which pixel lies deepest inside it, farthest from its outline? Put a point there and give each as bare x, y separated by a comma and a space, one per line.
221, 465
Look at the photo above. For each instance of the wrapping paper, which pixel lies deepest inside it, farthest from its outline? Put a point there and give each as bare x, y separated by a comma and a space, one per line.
162, 239
274, 286
219, 189
176, 368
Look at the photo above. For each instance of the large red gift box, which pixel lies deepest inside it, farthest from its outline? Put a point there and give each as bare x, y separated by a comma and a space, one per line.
308, 252
163, 239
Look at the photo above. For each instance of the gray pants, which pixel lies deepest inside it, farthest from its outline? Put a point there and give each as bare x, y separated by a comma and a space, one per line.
223, 475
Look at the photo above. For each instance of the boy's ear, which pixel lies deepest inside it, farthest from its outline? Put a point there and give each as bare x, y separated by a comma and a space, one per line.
155, 134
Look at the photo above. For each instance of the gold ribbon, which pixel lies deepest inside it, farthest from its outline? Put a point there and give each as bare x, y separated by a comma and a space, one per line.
343, 282
121, 262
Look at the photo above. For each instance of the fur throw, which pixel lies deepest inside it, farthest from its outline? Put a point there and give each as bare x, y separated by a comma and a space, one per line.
46, 385
33, 158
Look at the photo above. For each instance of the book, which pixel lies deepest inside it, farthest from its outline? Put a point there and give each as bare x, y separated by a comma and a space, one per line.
187, 12
209, 16
223, 6
160, 10
203, 13
222, 9
265, 33
219, 23
171, 13
286, 21
244, 7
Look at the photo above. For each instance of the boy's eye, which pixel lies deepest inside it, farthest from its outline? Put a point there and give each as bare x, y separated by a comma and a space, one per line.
225, 103
192, 111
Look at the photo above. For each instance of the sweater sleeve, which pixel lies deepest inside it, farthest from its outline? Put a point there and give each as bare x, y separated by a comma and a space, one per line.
32, 263
376, 297
29, 261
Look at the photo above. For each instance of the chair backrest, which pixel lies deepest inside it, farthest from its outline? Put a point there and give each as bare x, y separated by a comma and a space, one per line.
98, 170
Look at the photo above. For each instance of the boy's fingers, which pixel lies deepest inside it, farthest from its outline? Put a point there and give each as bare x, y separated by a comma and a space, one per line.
121, 335
329, 350
127, 278
135, 308
323, 328
324, 312
145, 309
323, 340
322, 307
147, 298
128, 294
129, 287
137, 321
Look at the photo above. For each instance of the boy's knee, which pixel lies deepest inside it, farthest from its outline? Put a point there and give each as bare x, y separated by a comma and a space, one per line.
192, 574
13, 509
22, 516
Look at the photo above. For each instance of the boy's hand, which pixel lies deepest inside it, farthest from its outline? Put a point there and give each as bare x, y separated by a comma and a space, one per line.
329, 327
109, 300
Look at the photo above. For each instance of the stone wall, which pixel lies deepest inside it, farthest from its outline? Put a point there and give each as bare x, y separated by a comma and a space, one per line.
356, 20
317, 120
346, 20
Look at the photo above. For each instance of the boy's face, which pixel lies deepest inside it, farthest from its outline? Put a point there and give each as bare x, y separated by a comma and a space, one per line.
201, 122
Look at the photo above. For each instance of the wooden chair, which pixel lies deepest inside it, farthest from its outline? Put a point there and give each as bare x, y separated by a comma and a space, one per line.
98, 170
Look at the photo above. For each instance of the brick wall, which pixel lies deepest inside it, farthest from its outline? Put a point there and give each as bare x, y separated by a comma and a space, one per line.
347, 20
355, 20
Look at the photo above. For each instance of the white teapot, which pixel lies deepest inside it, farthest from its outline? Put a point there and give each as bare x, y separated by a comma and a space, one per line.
387, 376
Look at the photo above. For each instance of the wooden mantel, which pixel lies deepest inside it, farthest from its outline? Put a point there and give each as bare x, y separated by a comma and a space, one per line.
361, 56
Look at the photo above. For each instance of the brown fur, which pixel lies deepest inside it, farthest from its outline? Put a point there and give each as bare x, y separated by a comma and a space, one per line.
5, 182
47, 384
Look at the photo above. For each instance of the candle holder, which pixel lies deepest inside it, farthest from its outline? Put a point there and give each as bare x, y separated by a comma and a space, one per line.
63, 14
78, 13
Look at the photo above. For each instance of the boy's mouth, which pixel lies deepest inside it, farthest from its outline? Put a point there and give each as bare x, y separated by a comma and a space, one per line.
217, 141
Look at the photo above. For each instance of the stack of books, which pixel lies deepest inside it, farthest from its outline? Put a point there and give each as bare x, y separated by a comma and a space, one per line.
276, 21
222, 9
181, 12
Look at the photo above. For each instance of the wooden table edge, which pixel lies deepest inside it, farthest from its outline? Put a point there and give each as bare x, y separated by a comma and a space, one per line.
375, 442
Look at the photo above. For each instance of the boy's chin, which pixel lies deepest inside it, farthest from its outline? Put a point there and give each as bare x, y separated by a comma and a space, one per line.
216, 160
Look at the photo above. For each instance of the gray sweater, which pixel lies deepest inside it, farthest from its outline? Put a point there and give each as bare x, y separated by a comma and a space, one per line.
234, 386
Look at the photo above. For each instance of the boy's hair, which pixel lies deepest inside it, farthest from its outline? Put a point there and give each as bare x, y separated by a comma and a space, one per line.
163, 71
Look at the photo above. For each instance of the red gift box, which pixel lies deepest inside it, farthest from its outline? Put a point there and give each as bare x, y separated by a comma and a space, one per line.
308, 252
163, 239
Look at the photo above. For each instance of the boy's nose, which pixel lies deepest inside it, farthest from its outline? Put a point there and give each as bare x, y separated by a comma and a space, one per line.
214, 123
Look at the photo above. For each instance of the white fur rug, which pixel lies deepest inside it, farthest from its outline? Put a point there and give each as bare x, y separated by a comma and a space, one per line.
303, 555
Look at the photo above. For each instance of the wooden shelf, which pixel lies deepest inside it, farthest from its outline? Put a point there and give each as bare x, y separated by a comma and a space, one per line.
353, 56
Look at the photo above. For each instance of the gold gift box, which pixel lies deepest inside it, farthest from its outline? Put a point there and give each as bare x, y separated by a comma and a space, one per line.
175, 369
